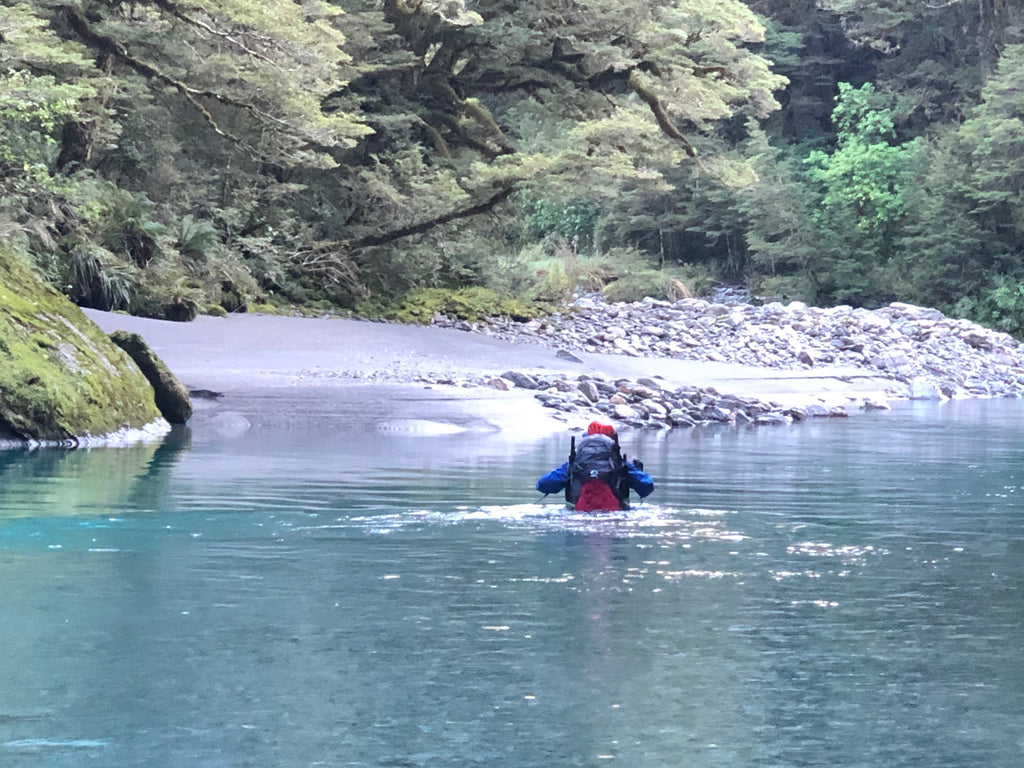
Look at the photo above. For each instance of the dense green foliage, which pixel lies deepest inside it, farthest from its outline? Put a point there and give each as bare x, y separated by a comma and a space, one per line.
170, 158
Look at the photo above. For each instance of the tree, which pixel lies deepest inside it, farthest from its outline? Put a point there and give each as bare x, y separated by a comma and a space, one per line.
341, 148
969, 220
461, 79
994, 142
45, 82
933, 56
860, 186
785, 242
944, 252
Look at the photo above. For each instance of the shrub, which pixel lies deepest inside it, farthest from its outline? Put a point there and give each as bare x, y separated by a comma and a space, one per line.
1001, 307
670, 285
472, 304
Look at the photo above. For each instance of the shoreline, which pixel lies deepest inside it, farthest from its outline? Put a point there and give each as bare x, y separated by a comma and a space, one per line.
272, 371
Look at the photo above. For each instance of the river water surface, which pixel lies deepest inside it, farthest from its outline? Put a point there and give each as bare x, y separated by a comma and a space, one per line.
836, 593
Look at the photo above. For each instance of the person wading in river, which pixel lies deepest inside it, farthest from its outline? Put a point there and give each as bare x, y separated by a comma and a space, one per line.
597, 477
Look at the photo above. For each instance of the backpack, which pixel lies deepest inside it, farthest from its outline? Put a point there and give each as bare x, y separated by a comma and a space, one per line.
597, 457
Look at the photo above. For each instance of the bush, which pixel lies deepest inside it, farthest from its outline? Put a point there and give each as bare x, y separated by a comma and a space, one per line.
1000, 307
784, 289
470, 304
557, 275
668, 285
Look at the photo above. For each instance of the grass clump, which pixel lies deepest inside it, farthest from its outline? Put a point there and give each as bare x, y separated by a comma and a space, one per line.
620, 274
665, 284
474, 304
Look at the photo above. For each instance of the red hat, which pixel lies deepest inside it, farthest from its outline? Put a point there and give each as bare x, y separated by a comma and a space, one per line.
597, 428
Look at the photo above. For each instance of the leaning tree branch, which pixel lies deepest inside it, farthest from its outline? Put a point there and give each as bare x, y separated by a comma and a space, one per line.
175, 10
114, 48
77, 21
426, 226
660, 114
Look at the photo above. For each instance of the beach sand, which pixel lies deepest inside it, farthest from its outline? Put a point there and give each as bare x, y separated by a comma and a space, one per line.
270, 371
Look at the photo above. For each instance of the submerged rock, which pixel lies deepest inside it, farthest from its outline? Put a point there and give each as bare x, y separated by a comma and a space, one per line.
61, 378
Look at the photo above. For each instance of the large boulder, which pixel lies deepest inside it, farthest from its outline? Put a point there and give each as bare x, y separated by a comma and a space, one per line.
61, 378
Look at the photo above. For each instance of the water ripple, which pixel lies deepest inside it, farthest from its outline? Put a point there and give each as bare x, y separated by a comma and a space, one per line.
649, 521
38, 745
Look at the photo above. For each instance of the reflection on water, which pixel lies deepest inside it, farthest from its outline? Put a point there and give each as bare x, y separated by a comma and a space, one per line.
842, 593
54, 482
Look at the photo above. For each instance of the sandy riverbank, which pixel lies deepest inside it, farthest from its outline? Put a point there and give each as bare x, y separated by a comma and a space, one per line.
273, 371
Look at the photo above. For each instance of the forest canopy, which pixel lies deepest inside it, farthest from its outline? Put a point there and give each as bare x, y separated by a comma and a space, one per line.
169, 158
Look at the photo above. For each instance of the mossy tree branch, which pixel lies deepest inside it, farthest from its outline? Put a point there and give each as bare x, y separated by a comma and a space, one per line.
108, 46
113, 48
660, 115
425, 226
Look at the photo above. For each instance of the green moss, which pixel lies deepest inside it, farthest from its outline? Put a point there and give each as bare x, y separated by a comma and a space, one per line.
471, 304
216, 310
61, 376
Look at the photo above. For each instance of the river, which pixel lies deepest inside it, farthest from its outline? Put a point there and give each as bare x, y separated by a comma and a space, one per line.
835, 593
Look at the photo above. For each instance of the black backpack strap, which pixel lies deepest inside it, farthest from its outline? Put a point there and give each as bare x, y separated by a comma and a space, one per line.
569, 478
620, 485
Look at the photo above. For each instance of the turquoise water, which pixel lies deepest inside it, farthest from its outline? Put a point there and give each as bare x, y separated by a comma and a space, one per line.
838, 593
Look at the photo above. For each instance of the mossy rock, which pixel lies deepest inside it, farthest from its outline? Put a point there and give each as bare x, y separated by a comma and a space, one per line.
60, 376
170, 395
180, 311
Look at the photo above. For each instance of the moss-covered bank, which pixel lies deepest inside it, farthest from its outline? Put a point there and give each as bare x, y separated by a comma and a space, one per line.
60, 376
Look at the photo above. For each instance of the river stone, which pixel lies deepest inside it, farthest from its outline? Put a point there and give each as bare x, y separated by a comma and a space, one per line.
521, 380
564, 354
625, 412
742, 417
923, 389
898, 343
870, 404
977, 339
654, 408
590, 391
771, 419
625, 347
